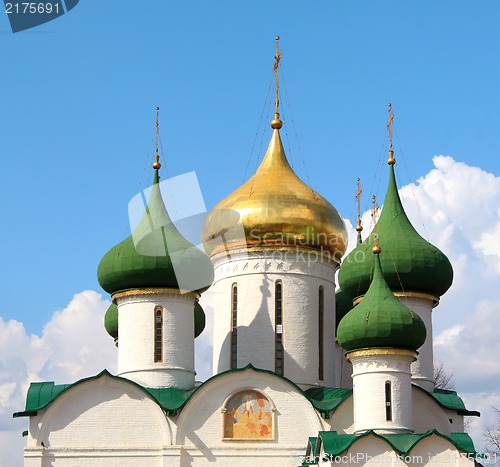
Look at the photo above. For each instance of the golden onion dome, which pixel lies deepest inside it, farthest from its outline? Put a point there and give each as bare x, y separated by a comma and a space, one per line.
275, 209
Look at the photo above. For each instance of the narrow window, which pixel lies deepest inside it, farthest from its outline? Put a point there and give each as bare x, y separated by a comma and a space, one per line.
388, 402
158, 353
234, 326
321, 318
278, 323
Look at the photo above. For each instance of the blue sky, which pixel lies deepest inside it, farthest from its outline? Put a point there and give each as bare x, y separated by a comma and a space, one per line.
78, 98
77, 137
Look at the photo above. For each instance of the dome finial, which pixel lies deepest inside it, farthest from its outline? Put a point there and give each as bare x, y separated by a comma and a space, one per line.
359, 227
156, 163
376, 249
276, 123
390, 121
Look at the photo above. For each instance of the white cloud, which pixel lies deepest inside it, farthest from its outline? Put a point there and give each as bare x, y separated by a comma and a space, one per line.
489, 245
73, 345
456, 207
458, 211
470, 350
449, 336
457, 204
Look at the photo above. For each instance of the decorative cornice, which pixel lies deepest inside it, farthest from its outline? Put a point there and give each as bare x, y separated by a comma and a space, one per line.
152, 291
256, 251
276, 264
379, 351
421, 295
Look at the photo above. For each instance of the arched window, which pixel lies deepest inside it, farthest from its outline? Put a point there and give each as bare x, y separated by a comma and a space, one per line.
321, 319
234, 326
248, 414
278, 328
388, 401
158, 343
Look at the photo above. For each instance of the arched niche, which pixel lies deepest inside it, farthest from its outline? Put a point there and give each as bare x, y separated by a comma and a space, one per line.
248, 415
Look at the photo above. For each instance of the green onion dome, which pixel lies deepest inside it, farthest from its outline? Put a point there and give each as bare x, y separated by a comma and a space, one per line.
410, 263
199, 319
111, 321
343, 304
155, 255
380, 320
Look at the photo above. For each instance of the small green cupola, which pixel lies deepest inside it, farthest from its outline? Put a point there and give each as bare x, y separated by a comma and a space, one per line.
343, 304
410, 263
111, 321
155, 255
380, 320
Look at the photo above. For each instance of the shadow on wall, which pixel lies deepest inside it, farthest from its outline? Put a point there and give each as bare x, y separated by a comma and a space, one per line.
258, 339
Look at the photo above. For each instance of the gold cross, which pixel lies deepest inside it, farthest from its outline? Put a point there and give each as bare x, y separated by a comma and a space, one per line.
277, 57
390, 121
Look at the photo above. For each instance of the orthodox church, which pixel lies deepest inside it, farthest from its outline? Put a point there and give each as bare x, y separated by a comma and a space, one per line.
303, 374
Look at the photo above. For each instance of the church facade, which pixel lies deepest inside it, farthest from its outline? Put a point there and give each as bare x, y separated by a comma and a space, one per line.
305, 373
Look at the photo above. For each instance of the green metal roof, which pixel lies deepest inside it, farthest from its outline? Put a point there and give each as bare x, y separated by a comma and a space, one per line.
451, 400
311, 445
381, 320
448, 399
411, 263
335, 444
144, 259
40, 395
171, 400
326, 400
310, 457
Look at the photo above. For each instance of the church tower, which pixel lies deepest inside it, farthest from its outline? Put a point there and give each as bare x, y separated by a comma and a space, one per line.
275, 244
152, 317
381, 336
416, 271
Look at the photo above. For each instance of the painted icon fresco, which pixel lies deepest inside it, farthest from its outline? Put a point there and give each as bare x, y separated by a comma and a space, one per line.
248, 416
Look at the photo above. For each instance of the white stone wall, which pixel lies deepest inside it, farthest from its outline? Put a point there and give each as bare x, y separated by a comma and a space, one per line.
370, 374
200, 424
436, 451
423, 368
256, 275
342, 420
99, 422
112, 422
136, 322
428, 415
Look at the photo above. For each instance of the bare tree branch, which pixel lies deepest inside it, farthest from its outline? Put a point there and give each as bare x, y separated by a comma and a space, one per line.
491, 434
443, 379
